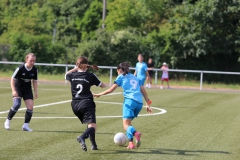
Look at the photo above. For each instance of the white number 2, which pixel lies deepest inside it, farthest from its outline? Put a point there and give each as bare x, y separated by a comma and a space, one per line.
80, 90
134, 83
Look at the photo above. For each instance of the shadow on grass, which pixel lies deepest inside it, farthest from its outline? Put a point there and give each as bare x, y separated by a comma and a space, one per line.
164, 152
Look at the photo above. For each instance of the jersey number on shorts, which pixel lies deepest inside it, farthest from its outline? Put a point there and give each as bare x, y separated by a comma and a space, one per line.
133, 83
79, 91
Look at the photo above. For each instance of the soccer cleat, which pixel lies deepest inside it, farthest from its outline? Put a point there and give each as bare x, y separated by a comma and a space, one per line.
7, 124
137, 136
26, 128
82, 142
130, 145
94, 148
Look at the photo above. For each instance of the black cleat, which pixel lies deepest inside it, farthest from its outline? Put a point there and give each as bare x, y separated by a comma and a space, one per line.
82, 142
94, 148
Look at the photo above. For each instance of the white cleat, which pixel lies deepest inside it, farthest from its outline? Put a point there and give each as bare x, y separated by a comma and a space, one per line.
25, 128
7, 124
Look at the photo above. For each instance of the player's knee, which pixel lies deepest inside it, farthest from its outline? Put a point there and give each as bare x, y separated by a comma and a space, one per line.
94, 125
29, 112
16, 104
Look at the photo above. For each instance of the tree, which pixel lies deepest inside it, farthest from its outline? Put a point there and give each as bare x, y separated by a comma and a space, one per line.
207, 30
206, 37
90, 21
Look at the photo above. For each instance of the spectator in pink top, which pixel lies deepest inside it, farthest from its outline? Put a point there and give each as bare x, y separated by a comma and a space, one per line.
165, 76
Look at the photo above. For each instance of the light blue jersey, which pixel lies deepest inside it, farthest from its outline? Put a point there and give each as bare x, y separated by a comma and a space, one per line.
141, 69
131, 86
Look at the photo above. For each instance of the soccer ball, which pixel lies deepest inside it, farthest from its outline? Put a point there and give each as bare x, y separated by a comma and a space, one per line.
120, 139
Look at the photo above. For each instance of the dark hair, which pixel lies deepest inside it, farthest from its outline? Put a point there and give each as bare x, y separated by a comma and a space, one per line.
124, 66
82, 63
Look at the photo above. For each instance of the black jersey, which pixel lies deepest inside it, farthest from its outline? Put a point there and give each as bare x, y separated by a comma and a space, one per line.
23, 77
81, 83
150, 65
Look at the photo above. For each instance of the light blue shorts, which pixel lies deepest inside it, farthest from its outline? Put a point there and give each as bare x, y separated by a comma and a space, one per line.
131, 108
143, 81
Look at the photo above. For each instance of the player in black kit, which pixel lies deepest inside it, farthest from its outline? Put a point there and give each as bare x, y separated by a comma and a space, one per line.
22, 88
82, 103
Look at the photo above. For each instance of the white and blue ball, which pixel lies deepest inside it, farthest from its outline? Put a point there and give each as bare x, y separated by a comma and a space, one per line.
120, 139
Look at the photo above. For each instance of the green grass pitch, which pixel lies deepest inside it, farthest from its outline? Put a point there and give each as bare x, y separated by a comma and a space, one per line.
197, 125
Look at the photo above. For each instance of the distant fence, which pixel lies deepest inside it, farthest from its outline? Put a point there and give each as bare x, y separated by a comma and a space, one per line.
113, 67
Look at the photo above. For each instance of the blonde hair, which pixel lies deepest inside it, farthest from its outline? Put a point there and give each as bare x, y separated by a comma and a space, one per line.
29, 55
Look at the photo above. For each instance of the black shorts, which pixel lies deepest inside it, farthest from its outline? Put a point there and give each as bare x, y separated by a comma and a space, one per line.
25, 94
150, 73
85, 110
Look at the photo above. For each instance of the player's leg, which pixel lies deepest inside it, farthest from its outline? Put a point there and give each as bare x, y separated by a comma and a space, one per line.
168, 83
131, 110
91, 132
89, 117
76, 108
13, 110
28, 115
28, 99
150, 81
137, 134
147, 82
92, 136
129, 132
161, 87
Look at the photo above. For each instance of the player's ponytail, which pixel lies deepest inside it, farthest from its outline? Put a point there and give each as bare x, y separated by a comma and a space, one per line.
82, 63
93, 67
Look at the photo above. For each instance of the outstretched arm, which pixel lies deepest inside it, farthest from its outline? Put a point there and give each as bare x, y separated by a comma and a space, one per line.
148, 102
102, 85
110, 90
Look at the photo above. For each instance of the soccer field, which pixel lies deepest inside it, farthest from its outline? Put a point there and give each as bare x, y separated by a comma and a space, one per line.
187, 124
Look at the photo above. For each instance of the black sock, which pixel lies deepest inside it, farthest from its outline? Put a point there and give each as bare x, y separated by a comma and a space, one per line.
88, 131
28, 115
11, 113
92, 139
130, 139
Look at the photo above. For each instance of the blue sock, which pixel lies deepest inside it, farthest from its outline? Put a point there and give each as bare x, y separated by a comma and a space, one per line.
130, 132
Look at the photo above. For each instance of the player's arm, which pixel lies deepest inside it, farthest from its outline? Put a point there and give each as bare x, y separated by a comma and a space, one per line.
14, 92
148, 101
148, 76
35, 87
102, 85
110, 90
72, 70
135, 73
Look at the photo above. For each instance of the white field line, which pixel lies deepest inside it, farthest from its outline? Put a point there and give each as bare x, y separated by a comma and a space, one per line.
55, 103
162, 111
